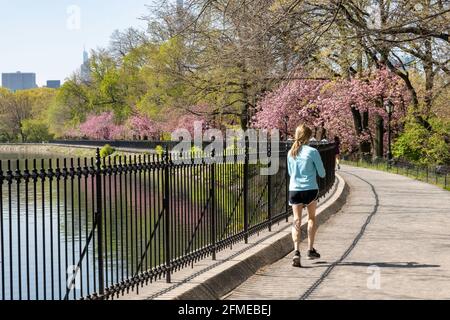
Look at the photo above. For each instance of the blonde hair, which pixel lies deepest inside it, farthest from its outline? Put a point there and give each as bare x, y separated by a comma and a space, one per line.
302, 136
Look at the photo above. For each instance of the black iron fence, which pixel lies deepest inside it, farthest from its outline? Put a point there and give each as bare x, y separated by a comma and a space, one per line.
96, 228
438, 174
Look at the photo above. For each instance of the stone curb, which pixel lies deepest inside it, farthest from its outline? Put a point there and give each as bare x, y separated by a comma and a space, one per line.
218, 282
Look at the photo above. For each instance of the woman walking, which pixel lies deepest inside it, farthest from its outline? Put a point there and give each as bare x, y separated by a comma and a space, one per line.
304, 163
337, 151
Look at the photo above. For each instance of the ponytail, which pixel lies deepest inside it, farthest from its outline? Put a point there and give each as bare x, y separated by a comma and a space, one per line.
302, 136
295, 149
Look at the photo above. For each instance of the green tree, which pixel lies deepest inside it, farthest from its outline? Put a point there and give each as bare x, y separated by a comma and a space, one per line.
35, 130
421, 146
164, 83
14, 108
107, 91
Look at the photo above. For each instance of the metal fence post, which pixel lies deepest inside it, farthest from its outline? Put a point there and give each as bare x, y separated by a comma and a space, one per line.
246, 177
427, 173
269, 188
99, 220
213, 205
167, 214
287, 181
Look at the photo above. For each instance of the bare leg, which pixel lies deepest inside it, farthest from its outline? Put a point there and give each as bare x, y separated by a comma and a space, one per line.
296, 231
312, 226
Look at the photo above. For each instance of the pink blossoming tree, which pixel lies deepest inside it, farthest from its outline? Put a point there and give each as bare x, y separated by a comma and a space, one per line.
352, 109
101, 127
138, 126
143, 127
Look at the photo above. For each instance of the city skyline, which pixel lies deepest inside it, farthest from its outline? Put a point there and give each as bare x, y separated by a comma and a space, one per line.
14, 80
48, 38
19, 81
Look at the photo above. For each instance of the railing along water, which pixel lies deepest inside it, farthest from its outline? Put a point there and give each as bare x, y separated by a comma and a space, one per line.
434, 174
95, 228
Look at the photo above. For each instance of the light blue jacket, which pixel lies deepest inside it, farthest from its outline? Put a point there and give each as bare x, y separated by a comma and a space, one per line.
304, 169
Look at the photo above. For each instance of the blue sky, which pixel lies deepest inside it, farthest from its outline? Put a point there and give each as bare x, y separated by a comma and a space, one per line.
44, 36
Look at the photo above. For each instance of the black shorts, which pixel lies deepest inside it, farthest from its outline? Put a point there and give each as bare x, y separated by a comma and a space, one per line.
303, 197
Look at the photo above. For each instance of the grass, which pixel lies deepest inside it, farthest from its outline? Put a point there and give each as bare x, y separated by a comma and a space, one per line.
417, 173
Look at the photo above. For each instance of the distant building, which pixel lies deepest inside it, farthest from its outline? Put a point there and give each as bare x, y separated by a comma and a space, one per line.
19, 81
54, 84
85, 70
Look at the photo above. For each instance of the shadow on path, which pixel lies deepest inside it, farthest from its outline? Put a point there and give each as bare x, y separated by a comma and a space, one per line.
408, 265
331, 266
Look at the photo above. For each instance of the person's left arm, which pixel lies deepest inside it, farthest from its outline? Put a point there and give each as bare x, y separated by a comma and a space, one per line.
289, 165
318, 163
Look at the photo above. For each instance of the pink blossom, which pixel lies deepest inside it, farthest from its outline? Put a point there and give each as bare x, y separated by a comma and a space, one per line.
142, 126
328, 105
101, 127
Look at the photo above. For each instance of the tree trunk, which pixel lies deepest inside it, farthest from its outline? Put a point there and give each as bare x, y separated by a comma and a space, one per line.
22, 137
245, 116
361, 124
357, 120
323, 134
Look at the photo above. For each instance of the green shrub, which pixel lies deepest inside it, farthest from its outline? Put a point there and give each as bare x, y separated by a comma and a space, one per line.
106, 151
35, 131
166, 136
410, 144
159, 150
5, 137
418, 145
196, 151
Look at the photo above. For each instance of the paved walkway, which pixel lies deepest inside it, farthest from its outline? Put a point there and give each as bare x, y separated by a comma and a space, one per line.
390, 241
